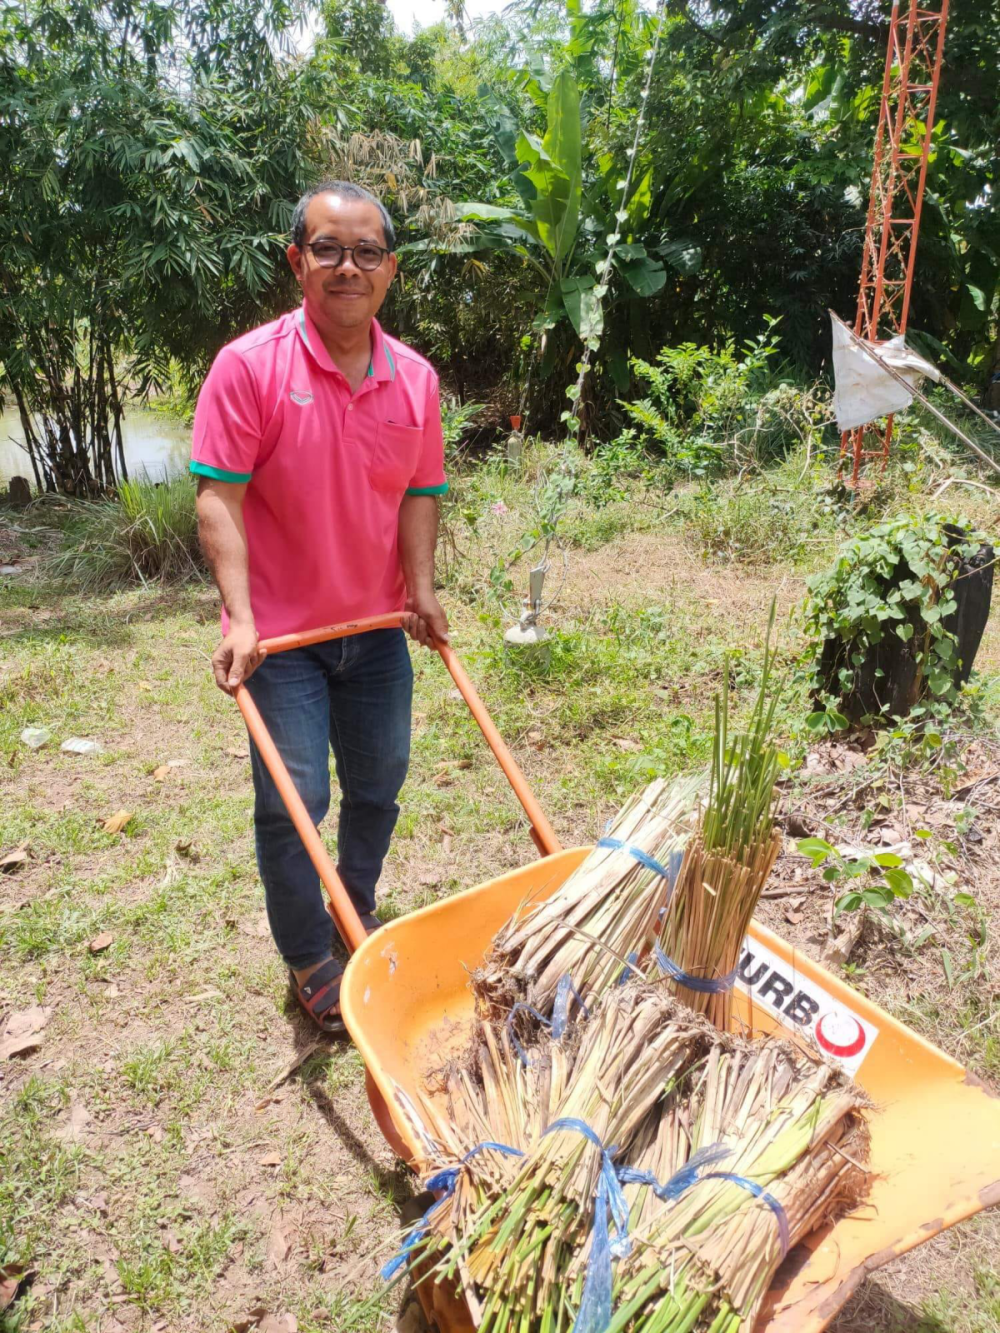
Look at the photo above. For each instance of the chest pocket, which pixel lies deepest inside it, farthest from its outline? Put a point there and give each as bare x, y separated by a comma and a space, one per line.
394, 461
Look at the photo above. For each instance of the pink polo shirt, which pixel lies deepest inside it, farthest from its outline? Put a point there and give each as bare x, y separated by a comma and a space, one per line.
327, 471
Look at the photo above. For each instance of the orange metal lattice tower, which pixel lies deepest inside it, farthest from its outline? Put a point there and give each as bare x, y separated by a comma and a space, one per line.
902, 150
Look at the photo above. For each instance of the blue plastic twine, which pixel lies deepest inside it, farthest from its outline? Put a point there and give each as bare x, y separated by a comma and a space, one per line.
682, 1179
594, 1313
704, 985
759, 1192
629, 971
446, 1180
669, 872
565, 991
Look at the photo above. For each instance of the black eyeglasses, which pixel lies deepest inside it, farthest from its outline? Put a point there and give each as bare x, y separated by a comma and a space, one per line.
366, 256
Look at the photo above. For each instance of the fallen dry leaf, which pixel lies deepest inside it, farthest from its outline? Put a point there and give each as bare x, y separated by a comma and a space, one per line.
238, 754
15, 858
624, 744
101, 942
163, 771
446, 842
282, 1323
279, 1246
429, 880
271, 1159
116, 823
185, 847
111, 992
12, 1278
27, 1021
11, 1046
144, 685
250, 1320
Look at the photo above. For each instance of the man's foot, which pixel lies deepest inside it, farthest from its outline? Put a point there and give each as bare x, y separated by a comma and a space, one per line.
317, 989
370, 922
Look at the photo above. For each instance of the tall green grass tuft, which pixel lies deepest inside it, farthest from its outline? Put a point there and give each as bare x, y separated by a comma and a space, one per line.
146, 533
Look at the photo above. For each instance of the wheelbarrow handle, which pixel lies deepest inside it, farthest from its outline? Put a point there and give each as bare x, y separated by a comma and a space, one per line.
342, 909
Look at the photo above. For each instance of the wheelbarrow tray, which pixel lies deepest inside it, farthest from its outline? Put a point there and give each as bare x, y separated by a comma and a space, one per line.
935, 1130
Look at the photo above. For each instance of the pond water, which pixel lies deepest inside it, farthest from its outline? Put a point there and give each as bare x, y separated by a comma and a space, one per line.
154, 444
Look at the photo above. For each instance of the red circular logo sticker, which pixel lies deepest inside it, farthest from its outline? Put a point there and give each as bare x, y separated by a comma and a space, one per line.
840, 1034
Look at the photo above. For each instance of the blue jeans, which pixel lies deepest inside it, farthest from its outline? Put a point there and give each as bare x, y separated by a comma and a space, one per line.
355, 695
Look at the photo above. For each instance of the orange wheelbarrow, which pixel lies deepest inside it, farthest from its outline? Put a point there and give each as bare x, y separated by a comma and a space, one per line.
935, 1133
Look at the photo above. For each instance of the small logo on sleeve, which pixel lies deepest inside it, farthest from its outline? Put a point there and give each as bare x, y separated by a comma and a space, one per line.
303, 399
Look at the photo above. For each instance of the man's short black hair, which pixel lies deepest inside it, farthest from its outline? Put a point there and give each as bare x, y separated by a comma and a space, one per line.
346, 190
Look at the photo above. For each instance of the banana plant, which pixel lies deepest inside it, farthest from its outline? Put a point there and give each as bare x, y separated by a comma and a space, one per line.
562, 229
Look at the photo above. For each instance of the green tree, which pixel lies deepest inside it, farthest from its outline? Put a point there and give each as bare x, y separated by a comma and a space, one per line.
149, 156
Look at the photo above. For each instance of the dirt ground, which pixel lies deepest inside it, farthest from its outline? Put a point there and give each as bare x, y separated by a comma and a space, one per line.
180, 1150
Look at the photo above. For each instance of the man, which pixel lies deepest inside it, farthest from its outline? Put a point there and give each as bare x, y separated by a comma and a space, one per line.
318, 449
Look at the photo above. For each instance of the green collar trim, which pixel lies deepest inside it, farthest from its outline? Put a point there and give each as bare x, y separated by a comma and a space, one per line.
301, 314
388, 357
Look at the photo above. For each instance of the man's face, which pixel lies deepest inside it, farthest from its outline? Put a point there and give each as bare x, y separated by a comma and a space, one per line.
346, 296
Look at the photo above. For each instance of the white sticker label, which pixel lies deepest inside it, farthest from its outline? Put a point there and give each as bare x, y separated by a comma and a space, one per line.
804, 1007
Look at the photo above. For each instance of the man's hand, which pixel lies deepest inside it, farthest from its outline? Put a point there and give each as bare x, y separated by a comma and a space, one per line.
425, 620
237, 657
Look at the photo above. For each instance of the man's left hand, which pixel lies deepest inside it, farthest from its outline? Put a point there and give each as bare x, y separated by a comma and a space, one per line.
425, 619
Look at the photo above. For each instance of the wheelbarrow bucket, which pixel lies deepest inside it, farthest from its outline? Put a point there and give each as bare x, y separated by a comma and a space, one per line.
935, 1130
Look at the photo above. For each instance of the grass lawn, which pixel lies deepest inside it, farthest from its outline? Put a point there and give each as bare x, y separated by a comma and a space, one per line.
155, 1171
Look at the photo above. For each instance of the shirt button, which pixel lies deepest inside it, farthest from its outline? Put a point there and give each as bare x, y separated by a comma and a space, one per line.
350, 407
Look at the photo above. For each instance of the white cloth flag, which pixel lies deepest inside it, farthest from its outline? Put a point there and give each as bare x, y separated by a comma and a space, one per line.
863, 391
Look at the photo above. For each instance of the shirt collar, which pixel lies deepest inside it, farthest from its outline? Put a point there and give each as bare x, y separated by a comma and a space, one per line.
382, 365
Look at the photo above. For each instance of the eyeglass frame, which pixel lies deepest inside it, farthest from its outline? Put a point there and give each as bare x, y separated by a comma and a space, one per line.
349, 250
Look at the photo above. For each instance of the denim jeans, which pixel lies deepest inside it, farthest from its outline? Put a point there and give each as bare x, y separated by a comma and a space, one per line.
355, 695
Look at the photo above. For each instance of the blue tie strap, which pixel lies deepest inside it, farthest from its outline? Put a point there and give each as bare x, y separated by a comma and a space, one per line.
522, 1008
669, 872
446, 1180
759, 1192
703, 985
682, 1179
595, 1311
565, 991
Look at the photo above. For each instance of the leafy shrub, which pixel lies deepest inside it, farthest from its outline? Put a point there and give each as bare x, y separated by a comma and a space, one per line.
701, 401
880, 620
147, 532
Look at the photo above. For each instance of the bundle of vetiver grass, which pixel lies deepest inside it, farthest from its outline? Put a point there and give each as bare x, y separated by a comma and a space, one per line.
606, 910
727, 862
729, 1151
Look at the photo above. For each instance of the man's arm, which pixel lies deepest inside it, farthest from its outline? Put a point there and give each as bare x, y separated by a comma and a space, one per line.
418, 525
224, 541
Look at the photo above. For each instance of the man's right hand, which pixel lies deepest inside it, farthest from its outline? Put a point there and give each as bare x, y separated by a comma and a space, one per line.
237, 657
